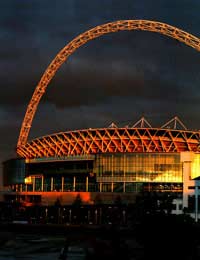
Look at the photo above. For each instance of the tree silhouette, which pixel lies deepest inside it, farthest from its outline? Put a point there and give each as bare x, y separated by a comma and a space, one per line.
77, 216
78, 201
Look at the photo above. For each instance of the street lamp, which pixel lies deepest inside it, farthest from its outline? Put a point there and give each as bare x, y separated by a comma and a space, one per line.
70, 216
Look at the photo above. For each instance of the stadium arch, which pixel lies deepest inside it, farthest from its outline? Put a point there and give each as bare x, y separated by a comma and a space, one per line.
111, 27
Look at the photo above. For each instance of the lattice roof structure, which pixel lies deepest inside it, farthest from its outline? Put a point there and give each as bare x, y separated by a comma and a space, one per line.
114, 140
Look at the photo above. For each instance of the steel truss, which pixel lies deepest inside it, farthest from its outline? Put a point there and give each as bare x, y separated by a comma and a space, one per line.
83, 38
111, 140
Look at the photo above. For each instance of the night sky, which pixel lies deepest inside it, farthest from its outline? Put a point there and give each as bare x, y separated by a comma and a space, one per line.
115, 78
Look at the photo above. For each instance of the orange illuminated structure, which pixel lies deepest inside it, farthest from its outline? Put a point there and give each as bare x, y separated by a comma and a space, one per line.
106, 161
83, 38
112, 140
110, 161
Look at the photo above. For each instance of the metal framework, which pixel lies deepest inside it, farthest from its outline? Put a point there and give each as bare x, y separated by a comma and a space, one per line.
111, 140
80, 40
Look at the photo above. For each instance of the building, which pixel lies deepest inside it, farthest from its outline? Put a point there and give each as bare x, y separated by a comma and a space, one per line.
105, 164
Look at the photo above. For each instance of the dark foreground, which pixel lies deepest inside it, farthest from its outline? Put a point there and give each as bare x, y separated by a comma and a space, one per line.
155, 237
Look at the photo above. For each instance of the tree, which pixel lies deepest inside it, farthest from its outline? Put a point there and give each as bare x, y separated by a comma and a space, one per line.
77, 209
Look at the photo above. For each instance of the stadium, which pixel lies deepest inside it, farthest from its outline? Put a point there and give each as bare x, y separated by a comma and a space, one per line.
105, 165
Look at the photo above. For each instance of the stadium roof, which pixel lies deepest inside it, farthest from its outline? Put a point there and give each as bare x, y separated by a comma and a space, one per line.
141, 137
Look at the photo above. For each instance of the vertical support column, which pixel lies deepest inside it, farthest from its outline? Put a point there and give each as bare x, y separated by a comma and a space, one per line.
74, 183
42, 184
112, 165
86, 188
100, 186
112, 169
124, 183
62, 184
51, 183
33, 183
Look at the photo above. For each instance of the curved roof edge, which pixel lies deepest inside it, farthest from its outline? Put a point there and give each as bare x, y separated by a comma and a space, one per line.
111, 140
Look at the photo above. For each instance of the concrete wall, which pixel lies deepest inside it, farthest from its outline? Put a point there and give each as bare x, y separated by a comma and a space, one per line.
190, 186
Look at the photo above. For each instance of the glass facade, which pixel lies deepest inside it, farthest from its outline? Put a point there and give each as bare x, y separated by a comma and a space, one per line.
74, 175
109, 172
134, 172
13, 171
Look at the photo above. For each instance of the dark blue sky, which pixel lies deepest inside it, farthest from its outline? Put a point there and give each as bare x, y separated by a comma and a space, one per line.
118, 77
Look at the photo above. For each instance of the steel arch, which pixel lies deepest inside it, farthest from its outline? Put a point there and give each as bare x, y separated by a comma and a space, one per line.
61, 57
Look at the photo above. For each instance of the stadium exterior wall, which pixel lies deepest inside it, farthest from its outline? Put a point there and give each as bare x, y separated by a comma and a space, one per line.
105, 164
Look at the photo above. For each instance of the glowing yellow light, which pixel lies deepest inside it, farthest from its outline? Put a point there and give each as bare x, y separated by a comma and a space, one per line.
196, 167
28, 180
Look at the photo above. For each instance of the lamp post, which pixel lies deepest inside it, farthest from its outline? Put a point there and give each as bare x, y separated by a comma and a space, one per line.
95, 216
70, 216
124, 216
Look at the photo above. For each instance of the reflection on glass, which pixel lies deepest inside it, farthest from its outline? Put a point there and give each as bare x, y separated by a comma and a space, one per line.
140, 167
